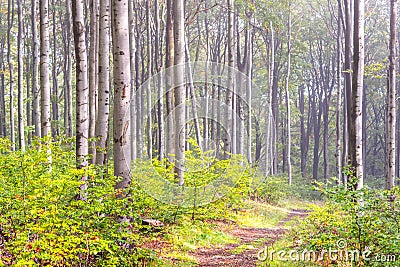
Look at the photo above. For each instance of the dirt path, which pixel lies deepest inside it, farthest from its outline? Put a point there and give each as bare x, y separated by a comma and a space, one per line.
244, 254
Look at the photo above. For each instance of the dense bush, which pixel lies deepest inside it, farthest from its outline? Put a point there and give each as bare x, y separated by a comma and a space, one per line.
44, 222
274, 189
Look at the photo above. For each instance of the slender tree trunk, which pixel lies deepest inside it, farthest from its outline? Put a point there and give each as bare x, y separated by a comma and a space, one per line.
230, 83
102, 122
28, 79
149, 74
179, 79
275, 113
169, 62
348, 6
206, 119
3, 128
68, 109
21, 130
35, 72
241, 89
325, 109
139, 95
303, 136
397, 121
122, 81
338, 152
54, 93
317, 130
288, 124
249, 90
82, 90
160, 82
10, 19
391, 102
271, 134
93, 76
133, 106
356, 135
44, 67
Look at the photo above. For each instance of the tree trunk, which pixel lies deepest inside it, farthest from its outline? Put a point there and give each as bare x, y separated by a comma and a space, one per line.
179, 79
348, 81
68, 109
35, 71
303, 136
102, 122
44, 67
122, 81
230, 83
338, 152
133, 106
93, 76
160, 82
270, 146
356, 135
82, 90
21, 130
3, 128
288, 116
148, 89
54, 94
10, 19
139, 95
249, 73
391, 102
28, 79
169, 62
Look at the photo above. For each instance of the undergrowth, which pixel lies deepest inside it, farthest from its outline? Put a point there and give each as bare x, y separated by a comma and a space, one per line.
46, 219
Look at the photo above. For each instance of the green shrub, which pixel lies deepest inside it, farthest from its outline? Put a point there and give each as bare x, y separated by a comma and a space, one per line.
44, 222
274, 189
366, 221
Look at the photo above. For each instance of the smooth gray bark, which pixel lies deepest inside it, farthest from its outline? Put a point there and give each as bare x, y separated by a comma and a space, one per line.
122, 91
103, 114
391, 102
179, 88
44, 68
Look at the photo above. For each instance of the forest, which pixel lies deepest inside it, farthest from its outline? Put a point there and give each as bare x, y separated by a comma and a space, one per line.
199, 133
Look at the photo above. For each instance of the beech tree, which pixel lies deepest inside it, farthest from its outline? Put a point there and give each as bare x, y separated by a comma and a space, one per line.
287, 96
35, 72
21, 124
93, 74
122, 92
44, 68
228, 138
179, 88
169, 62
391, 102
356, 135
103, 114
82, 89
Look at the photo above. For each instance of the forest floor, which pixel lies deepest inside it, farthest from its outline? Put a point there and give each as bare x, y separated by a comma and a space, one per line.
249, 239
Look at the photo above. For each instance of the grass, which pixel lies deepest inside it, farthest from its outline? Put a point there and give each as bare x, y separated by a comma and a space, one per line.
261, 215
191, 235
